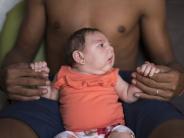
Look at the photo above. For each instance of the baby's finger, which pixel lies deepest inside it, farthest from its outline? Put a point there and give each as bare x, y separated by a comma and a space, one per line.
32, 66
157, 70
36, 64
147, 69
146, 62
143, 68
153, 71
43, 64
138, 69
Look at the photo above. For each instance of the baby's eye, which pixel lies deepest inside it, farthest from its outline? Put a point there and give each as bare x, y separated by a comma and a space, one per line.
101, 45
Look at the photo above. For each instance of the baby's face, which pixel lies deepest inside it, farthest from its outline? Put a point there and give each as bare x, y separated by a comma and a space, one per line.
98, 53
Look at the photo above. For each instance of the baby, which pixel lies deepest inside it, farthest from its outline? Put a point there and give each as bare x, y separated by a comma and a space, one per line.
88, 88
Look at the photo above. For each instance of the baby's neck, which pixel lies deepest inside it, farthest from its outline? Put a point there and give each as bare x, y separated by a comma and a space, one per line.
86, 70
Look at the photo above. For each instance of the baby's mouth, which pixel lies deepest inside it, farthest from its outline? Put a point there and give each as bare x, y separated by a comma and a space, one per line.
110, 59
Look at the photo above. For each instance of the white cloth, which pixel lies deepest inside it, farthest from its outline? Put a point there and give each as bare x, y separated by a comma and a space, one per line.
118, 128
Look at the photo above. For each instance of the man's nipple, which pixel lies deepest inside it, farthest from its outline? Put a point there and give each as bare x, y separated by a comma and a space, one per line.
121, 29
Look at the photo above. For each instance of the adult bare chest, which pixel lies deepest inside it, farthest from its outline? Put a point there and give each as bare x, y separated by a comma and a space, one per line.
111, 16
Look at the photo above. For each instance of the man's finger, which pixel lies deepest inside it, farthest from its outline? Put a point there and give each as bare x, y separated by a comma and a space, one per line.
162, 77
26, 72
150, 97
26, 92
23, 98
26, 81
152, 83
163, 69
19, 65
153, 91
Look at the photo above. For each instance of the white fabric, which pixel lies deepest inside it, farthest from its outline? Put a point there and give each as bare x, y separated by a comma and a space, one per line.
119, 128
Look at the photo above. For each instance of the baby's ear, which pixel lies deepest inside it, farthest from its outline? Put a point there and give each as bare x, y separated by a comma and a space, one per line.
78, 57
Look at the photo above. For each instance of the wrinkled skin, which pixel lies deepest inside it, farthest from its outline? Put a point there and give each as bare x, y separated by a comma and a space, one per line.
167, 82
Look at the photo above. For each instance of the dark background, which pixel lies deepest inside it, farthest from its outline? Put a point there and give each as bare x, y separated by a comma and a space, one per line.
175, 20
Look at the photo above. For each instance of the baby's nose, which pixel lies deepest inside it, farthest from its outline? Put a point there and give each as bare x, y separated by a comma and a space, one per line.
110, 48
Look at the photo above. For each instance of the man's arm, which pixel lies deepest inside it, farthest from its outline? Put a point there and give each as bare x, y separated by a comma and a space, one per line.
169, 82
30, 34
17, 79
155, 33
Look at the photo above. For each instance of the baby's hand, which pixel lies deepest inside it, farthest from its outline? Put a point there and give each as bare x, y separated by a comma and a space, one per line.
148, 69
41, 66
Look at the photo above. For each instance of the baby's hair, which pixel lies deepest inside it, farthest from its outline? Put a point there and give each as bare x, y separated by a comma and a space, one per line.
76, 42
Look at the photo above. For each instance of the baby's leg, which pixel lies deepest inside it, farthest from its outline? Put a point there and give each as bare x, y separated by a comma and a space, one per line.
66, 134
121, 131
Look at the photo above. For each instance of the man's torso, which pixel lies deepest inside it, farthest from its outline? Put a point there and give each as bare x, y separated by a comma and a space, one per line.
118, 19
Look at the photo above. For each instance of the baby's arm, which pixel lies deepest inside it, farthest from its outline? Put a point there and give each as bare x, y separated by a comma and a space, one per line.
127, 91
41, 66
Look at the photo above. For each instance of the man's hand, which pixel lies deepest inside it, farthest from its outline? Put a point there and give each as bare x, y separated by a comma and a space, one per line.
161, 86
22, 83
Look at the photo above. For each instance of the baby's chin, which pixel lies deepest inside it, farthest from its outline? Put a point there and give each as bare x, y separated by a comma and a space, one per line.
101, 72
107, 69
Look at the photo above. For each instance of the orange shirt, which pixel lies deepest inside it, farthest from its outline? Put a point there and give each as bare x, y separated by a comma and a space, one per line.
88, 101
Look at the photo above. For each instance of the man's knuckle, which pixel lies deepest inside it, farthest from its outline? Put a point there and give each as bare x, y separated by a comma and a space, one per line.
150, 83
155, 76
13, 97
7, 83
28, 94
10, 96
23, 92
10, 89
10, 72
27, 81
139, 84
175, 75
170, 95
173, 87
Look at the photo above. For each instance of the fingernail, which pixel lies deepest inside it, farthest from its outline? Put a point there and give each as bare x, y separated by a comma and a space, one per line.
133, 75
45, 74
47, 82
37, 98
137, 95
134, 81
44, 91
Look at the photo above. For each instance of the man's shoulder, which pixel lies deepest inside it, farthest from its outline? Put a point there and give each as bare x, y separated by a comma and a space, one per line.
147, 6
150, 3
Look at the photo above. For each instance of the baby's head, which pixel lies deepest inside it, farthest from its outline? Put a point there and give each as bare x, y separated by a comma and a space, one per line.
89, 51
